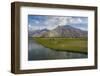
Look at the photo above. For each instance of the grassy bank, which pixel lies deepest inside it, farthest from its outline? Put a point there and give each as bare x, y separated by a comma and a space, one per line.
64, 44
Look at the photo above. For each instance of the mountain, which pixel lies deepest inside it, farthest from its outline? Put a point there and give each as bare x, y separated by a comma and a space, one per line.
61, 31
37, 33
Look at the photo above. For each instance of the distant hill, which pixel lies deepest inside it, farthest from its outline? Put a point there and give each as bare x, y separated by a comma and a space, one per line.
60, 31
37, 33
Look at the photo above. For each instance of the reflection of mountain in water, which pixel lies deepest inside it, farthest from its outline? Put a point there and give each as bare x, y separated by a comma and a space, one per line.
60, 31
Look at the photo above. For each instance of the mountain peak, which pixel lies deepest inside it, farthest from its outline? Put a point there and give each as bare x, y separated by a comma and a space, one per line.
45, 29
68, 26
64, 27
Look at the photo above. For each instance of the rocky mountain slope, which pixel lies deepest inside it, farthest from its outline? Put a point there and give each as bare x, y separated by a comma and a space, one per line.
60, 31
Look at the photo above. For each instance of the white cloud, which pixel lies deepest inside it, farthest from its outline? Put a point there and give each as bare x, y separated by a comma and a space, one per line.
32, 28
75, 20
52, 22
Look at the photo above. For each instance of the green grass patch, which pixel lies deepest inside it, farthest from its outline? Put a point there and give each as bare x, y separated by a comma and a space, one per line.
64, 44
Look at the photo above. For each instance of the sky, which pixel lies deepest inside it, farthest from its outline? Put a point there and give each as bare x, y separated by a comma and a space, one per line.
39, 22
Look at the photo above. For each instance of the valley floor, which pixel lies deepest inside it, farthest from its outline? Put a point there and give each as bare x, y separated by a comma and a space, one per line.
64, 44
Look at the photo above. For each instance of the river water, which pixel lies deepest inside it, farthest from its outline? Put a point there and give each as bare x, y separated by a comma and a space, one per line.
39, 52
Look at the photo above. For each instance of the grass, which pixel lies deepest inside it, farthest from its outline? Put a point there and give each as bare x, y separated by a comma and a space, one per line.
64, 44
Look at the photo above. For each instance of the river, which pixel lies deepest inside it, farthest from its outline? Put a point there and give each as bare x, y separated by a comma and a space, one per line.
39, 52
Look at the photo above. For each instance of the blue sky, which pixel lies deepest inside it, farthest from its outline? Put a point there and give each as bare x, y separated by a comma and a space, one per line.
38, 22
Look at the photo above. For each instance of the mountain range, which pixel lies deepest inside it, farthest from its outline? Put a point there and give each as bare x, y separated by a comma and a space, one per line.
60, 31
